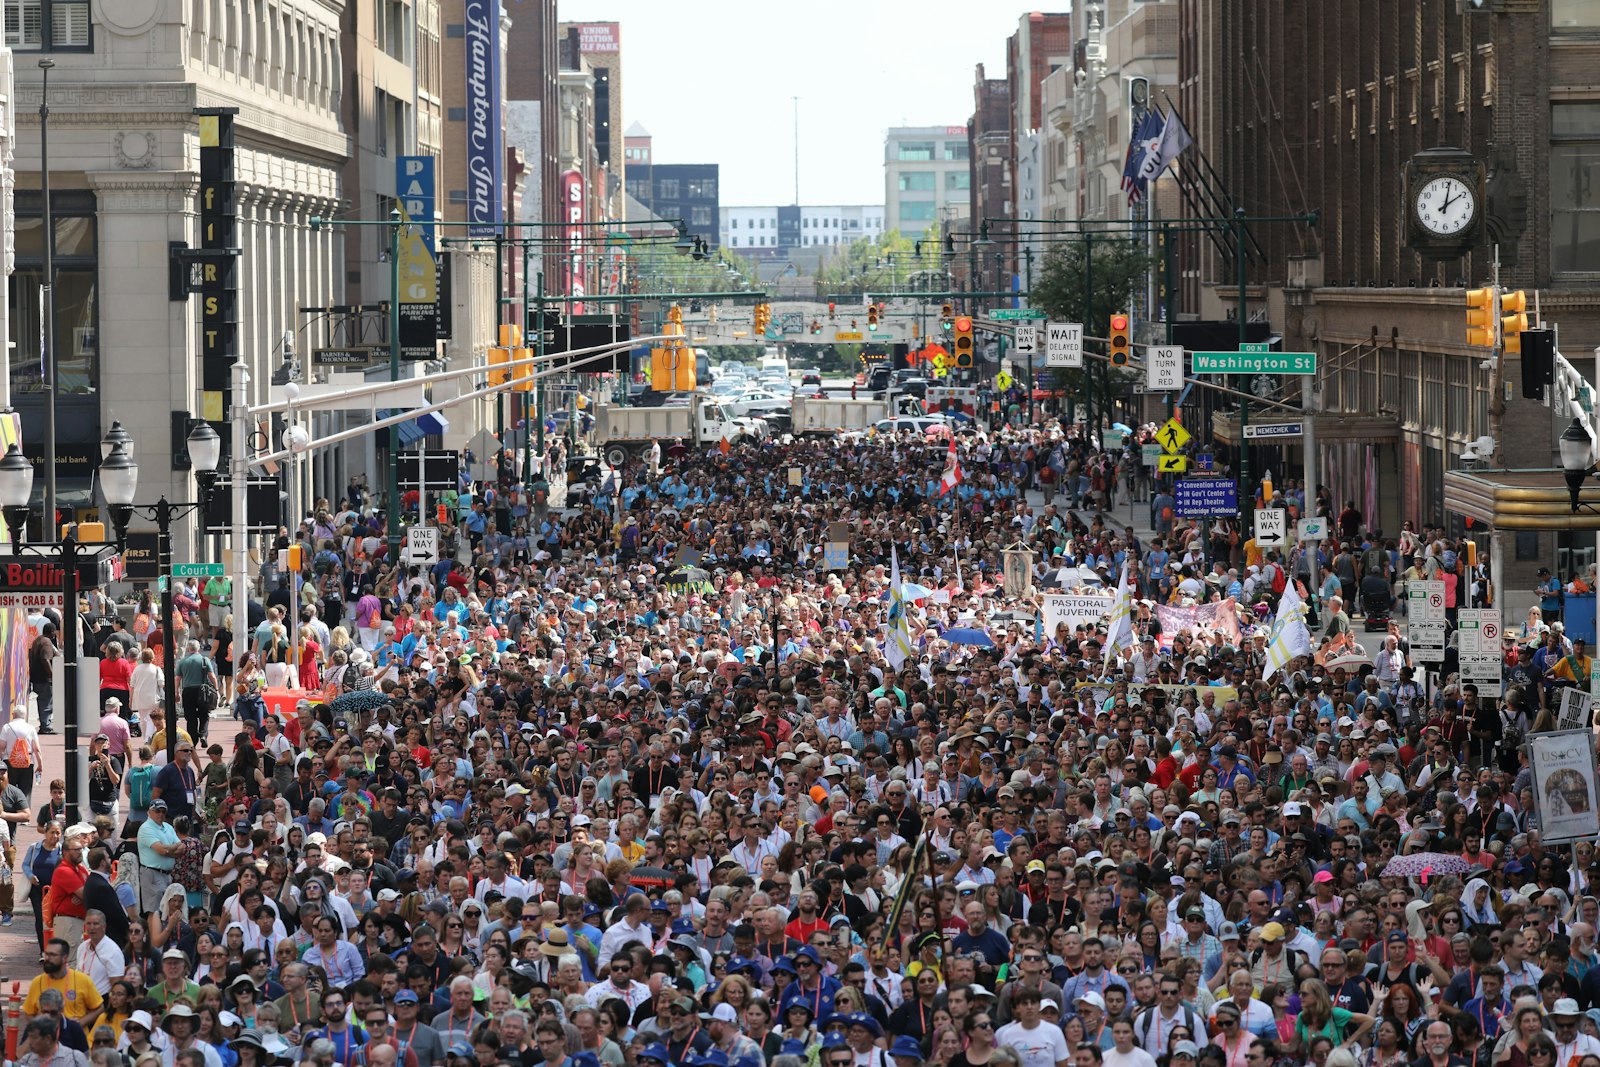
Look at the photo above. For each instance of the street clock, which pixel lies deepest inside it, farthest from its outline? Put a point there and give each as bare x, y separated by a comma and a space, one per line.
1444, 202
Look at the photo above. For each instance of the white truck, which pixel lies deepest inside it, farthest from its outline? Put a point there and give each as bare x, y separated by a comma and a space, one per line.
829, 415
624, 432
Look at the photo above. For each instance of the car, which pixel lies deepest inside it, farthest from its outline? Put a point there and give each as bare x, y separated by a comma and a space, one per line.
757, 402
811, 377
918, 425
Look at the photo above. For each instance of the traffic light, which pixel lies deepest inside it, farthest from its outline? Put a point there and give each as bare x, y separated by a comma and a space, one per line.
1513, 320
522, 374
498, 358
1480, 317
963, 341
947, 314
1538, 362
293, 559
1119, 340
831, 310
675, 314
872, 318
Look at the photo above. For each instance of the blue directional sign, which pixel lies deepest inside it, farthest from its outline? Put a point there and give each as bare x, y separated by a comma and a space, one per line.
1205, 461
1203, 497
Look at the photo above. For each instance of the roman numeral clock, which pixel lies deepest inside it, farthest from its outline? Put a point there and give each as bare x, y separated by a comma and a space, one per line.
1444, 202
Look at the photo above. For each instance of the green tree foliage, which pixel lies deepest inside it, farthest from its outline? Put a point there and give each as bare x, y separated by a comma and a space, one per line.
888, 263
1120, 267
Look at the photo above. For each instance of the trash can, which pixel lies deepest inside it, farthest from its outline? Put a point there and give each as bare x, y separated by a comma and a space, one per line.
1577, 611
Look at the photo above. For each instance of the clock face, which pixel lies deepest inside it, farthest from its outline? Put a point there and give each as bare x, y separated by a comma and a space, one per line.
1446, 206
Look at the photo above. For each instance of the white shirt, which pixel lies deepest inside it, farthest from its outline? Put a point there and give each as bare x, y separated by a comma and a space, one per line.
620, 934
636, 993
102, 963
1137, 1057
1045, 1046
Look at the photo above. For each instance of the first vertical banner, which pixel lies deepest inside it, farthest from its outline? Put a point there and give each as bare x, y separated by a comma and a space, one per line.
219, 264
485, 141
419, 276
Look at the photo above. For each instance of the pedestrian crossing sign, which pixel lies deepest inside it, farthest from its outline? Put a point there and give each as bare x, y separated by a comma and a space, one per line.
1172, 464
1172, 437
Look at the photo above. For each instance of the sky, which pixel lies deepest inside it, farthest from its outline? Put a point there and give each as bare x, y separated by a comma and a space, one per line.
714, 81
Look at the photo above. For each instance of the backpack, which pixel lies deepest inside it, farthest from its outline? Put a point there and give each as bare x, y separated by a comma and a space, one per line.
324, 563
21, 754
1280, 581
140, 782
1147, 1018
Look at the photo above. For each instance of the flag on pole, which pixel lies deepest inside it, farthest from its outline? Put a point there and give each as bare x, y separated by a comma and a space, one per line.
1290, 635
908, 885
952, 470
1145, 140
897, 649
1169, 144
1119, 634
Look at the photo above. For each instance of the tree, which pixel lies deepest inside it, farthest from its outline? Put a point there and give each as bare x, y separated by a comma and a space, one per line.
887, 262
1120, 266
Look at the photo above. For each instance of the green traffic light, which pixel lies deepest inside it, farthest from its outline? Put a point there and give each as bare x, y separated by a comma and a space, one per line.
873, 327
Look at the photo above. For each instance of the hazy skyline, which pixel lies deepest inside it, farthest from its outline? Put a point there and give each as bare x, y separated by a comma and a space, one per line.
705, 77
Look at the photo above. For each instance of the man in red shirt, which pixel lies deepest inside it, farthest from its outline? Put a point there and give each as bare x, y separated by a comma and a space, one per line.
63, 906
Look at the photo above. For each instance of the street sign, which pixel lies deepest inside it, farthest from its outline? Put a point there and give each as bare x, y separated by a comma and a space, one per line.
1112, 440
444, 469
1171, 464
1172, 436
1425, 627
1271, 431
422, 545
1150, 455
1163, 368
1427, 641
1026, 341
1004, 314
1425, 601
1063, 345
1205, 462
1313, 530
847, 335
484, 447
1479, 649
1003, 381
1246, 362
1272, 527
1201, 497
198, 570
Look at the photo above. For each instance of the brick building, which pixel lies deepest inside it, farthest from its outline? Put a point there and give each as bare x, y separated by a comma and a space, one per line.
1319, 107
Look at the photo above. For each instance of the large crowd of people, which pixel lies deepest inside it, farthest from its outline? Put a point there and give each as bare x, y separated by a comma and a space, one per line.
647, 782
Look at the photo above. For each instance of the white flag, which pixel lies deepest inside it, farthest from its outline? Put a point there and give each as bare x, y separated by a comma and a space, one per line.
1173, 140
1119, 634
1290, 635
897, 649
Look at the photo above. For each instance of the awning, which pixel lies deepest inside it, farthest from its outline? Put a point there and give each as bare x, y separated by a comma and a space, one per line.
414, 430
1520, 500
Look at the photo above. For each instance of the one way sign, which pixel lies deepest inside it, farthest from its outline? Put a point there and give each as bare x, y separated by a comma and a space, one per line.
1272, 527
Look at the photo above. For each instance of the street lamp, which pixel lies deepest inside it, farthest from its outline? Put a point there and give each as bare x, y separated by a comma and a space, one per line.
119, 480
1577, 458
61, 560
116, 437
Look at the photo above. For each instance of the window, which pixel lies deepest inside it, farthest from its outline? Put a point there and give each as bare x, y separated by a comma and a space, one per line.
1574, 16
701, 188
917, 211
47, 25
763, 224
76, 296
1574, 199
957, 179
917, 182
956, 150
392, 20
383, 123
733, 242
916, 151
667, 189
700, 216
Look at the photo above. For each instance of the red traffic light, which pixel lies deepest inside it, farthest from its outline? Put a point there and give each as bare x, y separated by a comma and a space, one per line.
1119, 322
963, 323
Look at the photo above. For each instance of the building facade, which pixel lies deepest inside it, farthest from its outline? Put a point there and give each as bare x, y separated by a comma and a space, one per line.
925, 172
600, 45
687, 191
1334, 101
759, 231
124, 158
